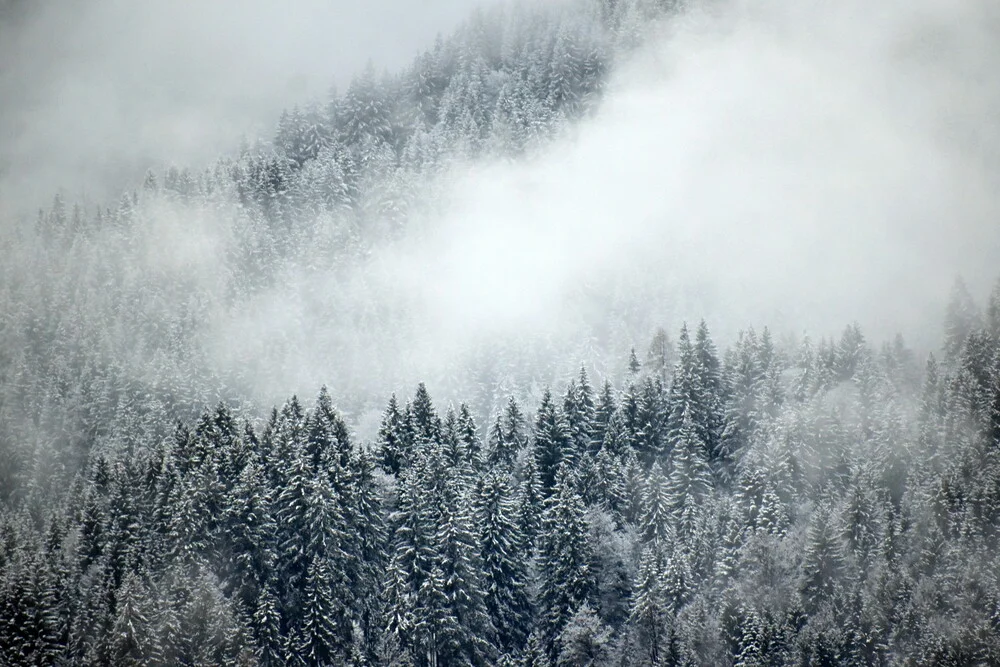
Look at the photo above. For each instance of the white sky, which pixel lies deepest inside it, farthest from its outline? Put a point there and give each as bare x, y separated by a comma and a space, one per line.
91, 91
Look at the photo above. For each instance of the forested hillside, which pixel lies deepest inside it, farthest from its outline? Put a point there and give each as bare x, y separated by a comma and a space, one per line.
114, 316
824, 504
777, 500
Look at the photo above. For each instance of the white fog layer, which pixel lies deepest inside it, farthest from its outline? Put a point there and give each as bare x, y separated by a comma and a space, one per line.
760, 164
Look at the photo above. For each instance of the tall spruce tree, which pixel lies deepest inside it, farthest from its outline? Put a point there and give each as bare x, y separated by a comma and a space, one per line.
565, 556
502, 549
552, 442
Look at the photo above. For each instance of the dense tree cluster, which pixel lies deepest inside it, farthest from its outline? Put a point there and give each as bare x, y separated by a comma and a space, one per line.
782, 504
779, 502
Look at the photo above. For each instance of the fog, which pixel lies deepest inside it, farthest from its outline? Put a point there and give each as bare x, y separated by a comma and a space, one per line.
798, 165
92, 92
793, 165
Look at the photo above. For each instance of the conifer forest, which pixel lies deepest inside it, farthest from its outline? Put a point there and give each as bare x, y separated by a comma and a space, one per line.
610, 333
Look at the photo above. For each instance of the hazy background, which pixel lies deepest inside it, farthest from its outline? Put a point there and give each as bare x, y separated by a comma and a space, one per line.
793, 164
92, 91
798, 165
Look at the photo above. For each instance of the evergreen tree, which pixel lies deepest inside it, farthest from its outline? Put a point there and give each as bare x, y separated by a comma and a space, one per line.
328, 441
501, 547
961, 319
251, 532
713, 396
471, 637
603, 413
530, 504
393, 448
552, 445
690, 479
650, 617
426, 423
633, 363
659, 358
131, 632
686, 392
823, 561
566, 579
655, 522
579, 413
412, 555
651, 414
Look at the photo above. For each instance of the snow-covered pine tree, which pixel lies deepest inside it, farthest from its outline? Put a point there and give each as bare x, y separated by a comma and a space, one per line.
566, 579
551, 444
504, 566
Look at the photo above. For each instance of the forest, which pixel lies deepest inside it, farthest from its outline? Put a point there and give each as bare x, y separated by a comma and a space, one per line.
644, 498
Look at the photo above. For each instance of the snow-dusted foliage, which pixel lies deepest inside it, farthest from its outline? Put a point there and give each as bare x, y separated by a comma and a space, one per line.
778, 500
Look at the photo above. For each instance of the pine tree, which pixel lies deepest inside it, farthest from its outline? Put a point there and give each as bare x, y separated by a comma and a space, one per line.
530, 505
472, 635
367, 542
566, 579
393, 448
413, 554
823, 562
619, 438
607, 488
650, 617
655, 522
961, 319
650, 441
712, 395
745, 382
690, 479
500, 454
426, 423
506, 436
265, 623
363, 114
468, 435
328, 438
513, 424
579, 412
603, 413
435, 630
501, 547
659, 358
131, 636
313, 561
323, 635
633, 363
686, 393
551, 444
251, 533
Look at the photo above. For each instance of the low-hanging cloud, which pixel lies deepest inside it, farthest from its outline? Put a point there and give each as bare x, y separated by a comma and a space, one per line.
93, 91
810, 167
799, 165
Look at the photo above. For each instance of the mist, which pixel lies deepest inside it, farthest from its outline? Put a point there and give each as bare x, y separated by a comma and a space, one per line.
93, 93
754, 164
799, 167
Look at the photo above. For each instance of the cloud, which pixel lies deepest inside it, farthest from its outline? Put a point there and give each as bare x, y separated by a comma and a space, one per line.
794, 164
798, 164
94, 91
